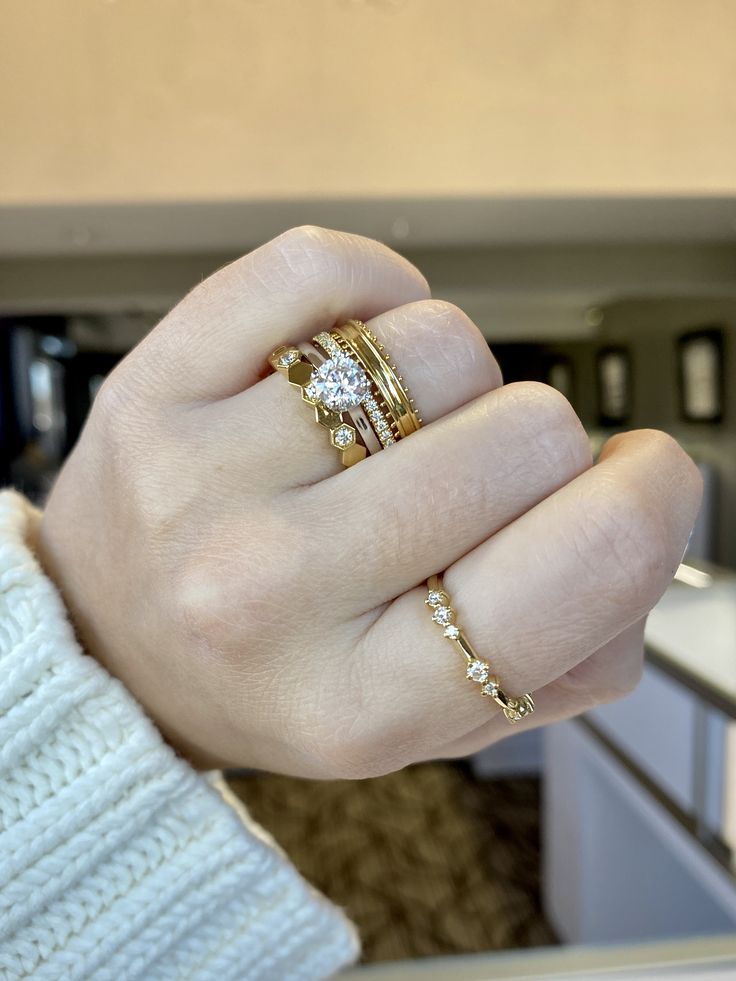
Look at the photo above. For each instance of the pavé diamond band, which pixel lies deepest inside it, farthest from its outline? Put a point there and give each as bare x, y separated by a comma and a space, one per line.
398, 405
337, 349
477, 670
353, 387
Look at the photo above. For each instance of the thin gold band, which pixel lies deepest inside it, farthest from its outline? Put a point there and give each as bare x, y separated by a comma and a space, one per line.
477, 670
372, 355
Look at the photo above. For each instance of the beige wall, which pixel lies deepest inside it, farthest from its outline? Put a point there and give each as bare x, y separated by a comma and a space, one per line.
252, 99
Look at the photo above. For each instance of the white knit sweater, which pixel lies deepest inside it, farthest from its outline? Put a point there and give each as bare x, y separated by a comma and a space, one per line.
117, 860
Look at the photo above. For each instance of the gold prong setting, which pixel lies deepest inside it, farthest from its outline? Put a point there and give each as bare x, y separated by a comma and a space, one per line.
354, 389
476, 669
340, 383
342, 436
331, 344
300, 373
288, 357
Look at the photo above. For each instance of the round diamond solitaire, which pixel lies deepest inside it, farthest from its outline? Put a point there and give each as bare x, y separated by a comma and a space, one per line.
478, 671
443, 615
340, 383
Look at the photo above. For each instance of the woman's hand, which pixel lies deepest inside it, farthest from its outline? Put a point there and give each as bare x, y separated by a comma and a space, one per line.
267, 606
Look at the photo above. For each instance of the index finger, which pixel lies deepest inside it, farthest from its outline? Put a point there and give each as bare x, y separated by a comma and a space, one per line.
215, 342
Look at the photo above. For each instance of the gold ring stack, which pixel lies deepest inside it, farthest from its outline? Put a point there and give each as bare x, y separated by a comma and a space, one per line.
358, 340
354, 388
357, 415
477, 670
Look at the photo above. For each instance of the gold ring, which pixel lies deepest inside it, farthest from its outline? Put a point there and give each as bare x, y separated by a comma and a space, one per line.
302, 374
399, 406
355, 390
357, 415
385, 430
477, 670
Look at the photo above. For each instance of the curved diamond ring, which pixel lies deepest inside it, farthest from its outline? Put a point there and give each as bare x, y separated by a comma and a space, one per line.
476, 669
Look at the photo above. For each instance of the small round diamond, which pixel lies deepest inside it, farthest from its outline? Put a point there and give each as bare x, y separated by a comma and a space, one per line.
311, 392
444, 615
477, 671
436, 597
289, 357
340, 383
343, 436
490, 689
452, 631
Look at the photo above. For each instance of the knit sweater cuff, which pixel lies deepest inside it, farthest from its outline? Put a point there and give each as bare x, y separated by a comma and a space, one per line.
116, 859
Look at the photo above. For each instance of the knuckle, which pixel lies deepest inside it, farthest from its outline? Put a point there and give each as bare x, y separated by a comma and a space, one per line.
230, 594
310, 249
550, 424
622, 542
450, 334
210, 608
307, 236
545, 404
309, 254
306, 251
447, 316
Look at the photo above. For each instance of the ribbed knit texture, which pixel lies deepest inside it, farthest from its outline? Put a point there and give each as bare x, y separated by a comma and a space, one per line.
117, 860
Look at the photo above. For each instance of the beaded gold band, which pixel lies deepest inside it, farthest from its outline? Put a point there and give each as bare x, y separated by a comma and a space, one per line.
477, 670
383, 372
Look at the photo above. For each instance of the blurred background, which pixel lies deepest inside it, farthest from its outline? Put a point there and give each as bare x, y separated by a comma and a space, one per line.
564, 171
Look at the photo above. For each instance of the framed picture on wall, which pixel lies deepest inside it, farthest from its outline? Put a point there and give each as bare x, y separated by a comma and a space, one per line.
559, 374
613, 374
700, 374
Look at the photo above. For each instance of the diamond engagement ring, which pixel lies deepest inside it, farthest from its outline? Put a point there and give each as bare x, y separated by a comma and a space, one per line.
391, 401
301, 373
476, 669
354, 388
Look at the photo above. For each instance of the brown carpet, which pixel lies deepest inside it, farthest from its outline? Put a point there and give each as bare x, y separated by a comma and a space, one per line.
426, 862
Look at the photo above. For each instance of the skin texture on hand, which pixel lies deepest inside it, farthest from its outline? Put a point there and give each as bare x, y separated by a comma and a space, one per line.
266, 606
